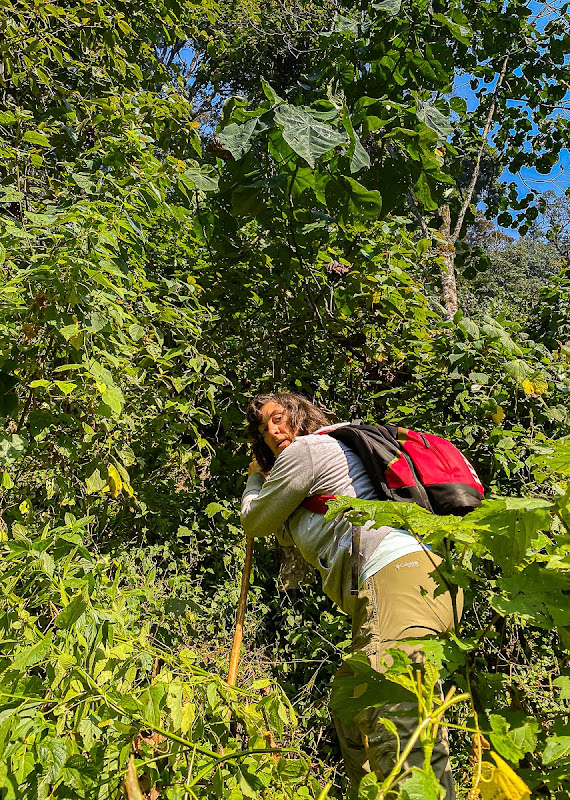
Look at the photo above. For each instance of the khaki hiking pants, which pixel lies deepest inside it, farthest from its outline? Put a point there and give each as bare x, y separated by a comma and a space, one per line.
391, 607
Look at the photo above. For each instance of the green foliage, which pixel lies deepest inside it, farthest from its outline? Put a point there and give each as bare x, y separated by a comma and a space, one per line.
508, 554
148, 288
84, 683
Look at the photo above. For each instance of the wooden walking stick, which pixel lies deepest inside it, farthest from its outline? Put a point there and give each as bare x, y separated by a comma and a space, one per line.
238, 635
240, 616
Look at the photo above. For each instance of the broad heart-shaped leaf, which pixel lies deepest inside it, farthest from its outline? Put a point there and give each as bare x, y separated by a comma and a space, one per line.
556, 460
495, 332
71, 613
350, 201
305, 135
469, 327
518, 370
391, 6
421, 785
94, 482
205, 178
114, 399
247, 201
236, 137
12, 448
513, 743
434, 119
557, 747
423, 191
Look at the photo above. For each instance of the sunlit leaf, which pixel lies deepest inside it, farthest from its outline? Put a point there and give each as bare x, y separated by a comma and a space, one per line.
306, 136
500, 782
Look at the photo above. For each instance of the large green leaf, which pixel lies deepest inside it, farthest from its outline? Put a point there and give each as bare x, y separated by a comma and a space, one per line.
306, 136
247, 201
12, 448
518, 370
495, 332
37, 138
421, 785
557, 747
512, 743
32, 655
114, 399
424, 194
72, 611
391, 6
204, 178
237, 137
512, 530
359, 158
359, 687
350, 201
536, 595
434, 119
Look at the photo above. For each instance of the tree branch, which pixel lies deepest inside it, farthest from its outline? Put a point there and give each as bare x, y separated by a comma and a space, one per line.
476, 169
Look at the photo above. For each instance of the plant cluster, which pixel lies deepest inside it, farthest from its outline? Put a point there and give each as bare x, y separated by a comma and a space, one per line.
154, 275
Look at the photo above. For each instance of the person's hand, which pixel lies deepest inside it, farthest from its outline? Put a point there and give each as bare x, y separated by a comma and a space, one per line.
254, 467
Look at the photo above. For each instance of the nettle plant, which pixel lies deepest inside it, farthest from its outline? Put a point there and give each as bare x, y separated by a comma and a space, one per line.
511, 557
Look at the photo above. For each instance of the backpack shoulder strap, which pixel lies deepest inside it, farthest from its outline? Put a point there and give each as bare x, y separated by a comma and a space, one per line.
375, 446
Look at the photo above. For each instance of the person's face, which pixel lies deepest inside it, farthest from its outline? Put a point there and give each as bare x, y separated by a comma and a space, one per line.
275, 427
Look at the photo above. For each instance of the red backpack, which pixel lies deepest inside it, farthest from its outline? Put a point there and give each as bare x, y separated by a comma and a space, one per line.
409, 467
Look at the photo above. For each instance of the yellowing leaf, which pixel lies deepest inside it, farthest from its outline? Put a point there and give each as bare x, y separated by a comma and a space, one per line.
535, 387
540, 386
498, 416
132, 786
114, 481
501, 782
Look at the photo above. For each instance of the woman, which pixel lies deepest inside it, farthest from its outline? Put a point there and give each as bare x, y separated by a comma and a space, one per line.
292, 461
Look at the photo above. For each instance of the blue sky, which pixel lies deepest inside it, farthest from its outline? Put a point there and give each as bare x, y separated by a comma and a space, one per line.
558, 180
529, 179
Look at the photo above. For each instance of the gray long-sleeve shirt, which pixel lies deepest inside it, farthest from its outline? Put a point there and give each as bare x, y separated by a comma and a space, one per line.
313, 464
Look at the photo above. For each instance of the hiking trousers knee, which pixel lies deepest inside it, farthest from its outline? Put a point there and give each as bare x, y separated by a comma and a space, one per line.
396, 603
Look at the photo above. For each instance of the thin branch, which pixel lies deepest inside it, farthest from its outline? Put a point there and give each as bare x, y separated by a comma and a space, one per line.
476, 169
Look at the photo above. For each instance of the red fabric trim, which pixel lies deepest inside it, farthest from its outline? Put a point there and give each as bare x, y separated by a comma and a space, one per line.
317, 503
399, 474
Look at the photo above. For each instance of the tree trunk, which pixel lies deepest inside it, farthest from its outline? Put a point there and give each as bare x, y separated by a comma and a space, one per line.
446, 253
448, 285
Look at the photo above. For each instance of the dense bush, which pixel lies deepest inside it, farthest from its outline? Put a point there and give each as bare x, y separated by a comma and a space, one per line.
148, 287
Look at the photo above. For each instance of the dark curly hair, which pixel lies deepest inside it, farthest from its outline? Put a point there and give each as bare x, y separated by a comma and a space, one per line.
303, 415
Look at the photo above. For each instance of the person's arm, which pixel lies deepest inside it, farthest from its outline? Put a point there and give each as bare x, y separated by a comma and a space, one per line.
267, 504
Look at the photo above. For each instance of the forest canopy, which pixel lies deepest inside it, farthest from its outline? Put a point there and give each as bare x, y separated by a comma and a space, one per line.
203, 200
